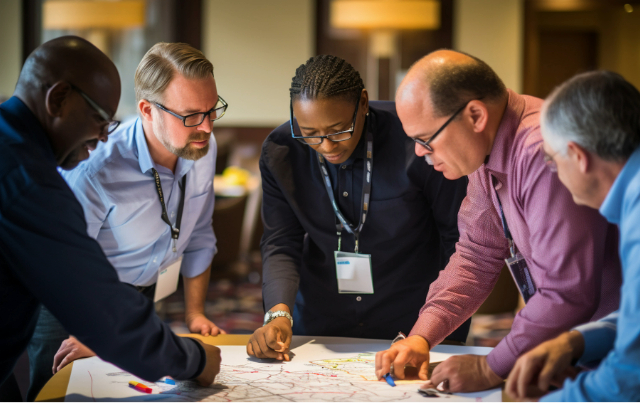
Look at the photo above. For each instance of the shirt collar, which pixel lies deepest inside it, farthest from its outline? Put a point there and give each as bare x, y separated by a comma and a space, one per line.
498, 159
142, 148
144, 157
359, 151
611, 208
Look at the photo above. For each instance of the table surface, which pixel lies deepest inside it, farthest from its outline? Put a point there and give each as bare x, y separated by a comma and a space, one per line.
56, 389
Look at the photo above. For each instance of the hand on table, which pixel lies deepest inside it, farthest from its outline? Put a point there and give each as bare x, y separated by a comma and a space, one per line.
69, 351
463, 373
271, 340
547, 364
212, 365
198, 323
412, 351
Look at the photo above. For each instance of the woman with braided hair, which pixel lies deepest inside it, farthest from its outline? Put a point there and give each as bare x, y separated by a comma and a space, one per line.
356, 227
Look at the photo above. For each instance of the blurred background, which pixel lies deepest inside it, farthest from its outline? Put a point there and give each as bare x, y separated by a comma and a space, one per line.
256, 45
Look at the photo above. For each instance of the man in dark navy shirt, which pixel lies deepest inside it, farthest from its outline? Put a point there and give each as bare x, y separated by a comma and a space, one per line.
66, 96
411, 215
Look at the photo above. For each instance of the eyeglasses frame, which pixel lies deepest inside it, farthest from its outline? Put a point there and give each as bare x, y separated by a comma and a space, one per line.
224, 107
112, 124
301, 138
425, 144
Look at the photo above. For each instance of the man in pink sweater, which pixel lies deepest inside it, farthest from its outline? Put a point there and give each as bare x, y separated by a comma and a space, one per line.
563, 256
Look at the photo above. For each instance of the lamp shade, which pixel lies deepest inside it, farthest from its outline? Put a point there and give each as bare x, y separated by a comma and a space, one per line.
70, 14
385, 14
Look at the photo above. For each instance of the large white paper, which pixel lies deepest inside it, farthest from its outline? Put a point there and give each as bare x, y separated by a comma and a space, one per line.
322, 369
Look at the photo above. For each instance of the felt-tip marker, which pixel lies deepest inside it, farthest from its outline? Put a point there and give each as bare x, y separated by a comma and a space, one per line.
389, 379
140, 387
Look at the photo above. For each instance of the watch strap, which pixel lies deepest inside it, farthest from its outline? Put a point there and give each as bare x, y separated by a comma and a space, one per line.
278, 314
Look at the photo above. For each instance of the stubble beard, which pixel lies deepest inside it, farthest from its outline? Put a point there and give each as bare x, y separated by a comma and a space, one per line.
187, 152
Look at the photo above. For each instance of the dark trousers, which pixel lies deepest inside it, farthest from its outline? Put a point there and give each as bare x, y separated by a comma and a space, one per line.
46, 341
44, 345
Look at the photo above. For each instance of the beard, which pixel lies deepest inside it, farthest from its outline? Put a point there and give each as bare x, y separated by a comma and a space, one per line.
188, 152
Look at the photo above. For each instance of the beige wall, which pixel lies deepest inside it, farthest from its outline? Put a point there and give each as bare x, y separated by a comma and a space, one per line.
492, 30
10, 45
255, 47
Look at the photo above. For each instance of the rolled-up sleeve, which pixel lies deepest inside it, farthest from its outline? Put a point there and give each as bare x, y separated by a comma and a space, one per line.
202, 243
282, 241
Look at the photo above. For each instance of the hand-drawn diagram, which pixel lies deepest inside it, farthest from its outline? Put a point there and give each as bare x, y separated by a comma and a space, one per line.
347, 377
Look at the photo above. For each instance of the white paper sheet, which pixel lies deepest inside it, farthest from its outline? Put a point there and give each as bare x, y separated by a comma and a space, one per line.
322, 369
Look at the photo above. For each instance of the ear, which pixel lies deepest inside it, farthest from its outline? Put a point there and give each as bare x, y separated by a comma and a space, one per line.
364, 101
479, 115
579, 156
56, 97
144, 107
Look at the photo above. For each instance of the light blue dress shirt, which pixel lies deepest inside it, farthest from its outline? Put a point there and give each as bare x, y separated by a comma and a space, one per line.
617, 378
120, 200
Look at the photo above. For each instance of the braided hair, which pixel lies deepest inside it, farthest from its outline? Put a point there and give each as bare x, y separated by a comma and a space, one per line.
326, 76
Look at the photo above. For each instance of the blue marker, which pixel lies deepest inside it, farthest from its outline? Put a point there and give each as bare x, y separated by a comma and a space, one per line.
169, 381
389, 379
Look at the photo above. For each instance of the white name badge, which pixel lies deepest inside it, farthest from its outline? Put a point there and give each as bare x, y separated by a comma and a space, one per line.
353, 271
167, 282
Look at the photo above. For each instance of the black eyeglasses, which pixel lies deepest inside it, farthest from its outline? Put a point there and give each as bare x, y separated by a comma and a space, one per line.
196, 119
296, 133
425, 144
112, 124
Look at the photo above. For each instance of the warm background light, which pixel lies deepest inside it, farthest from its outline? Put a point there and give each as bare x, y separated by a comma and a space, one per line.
385, 14
63, 14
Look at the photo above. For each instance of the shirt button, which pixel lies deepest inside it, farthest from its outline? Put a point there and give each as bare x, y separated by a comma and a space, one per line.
173, 214
343, 167
358, 298
345, 194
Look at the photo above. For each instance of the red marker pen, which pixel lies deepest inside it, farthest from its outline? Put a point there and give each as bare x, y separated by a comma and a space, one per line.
139, 386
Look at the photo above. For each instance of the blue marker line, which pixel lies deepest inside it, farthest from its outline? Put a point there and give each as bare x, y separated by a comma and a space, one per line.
389, 380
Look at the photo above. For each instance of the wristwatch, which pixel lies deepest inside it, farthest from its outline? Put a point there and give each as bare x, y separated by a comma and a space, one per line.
271, 315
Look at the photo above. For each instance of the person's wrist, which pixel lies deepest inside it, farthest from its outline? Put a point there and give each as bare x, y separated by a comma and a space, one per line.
281, 321
490, 374
575, 342
418, 339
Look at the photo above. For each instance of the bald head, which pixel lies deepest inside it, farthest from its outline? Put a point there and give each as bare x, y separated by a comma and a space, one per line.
73, 89
446, 79
72, 59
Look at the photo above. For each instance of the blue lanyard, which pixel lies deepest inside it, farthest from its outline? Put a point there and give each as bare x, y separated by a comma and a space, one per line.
505, 227
366, 193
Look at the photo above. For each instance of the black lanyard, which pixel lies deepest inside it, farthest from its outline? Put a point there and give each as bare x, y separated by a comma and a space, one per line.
366, 193
505, 227
175, 230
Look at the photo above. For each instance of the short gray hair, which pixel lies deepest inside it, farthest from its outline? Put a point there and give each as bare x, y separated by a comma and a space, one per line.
598, 110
